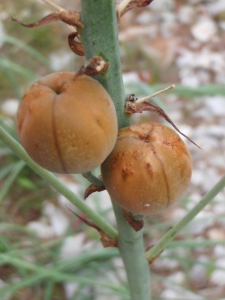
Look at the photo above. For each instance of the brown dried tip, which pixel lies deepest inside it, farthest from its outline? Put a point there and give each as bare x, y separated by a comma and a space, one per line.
135, 4
75, 46
96, 65
132, 107
67, 16
137, 225
92, 189
105, 239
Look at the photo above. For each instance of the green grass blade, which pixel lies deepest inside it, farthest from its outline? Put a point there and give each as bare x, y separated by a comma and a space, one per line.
5, 170
9, 181
43, 272
5, 63
30, 50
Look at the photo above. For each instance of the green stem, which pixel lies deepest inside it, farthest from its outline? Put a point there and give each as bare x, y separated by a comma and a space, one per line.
130, 244
91, 178
57, 184
160, 245
100, 37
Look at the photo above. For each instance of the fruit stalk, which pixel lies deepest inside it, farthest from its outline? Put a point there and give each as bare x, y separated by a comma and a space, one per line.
100, 37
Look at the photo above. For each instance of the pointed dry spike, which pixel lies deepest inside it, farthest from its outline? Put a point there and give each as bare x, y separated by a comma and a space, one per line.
89, 223
155, 94
155, 108
105, 239
53, 5
132, 108
92, 189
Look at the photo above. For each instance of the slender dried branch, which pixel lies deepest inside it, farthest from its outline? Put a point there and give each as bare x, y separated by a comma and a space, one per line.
134, 105
53, 5
154, 94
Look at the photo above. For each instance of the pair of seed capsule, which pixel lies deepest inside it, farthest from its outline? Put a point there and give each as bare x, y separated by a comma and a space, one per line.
68, 124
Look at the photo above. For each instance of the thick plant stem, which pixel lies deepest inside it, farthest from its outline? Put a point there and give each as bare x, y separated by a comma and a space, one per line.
131, 248
100, 37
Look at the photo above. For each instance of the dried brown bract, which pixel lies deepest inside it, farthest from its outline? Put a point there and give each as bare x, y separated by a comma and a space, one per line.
67, 16
105, 239
132, 106
134, 4
96, 65
92, 189
135, 224
75, 45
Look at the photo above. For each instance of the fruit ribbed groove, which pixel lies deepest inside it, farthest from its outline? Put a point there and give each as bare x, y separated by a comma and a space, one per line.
55, 134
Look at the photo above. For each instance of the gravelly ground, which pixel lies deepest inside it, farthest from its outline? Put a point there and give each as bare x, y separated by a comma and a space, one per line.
188, 38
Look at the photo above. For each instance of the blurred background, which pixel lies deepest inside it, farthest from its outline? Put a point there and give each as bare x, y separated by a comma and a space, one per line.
171, 41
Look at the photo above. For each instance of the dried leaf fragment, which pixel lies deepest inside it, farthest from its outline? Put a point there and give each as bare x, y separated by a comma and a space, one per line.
92, 189
75, 46
135, 224
135, 4
105, 239
132, 107
96, 65
67, 16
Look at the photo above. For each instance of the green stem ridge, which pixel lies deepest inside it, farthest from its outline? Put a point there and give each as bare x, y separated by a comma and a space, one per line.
92, 179
100, 37
57, 184
161, 244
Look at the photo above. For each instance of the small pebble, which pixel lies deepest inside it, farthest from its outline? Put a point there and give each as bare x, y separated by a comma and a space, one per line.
72, 245
10, 107
218, 275
204, 30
